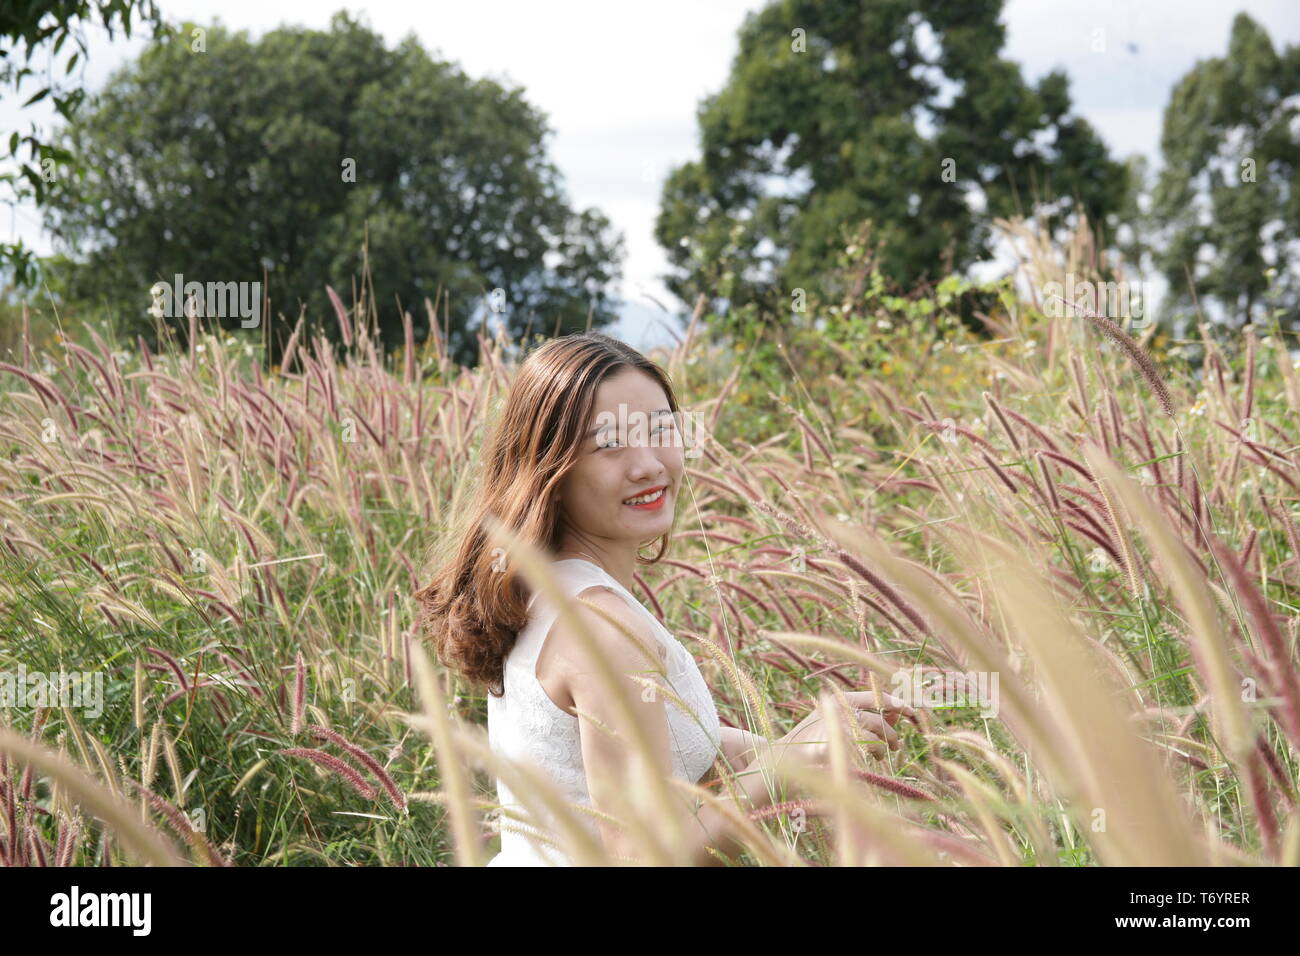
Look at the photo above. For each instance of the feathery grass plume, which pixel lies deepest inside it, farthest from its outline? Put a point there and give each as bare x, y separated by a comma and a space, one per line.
1208, 638
171, 662
69, 840
182, 825
370, 763
812, 808
332, 763
748, 691
437, 723
1259, 798
173, 762
140, 840
1002, 419
1146, 821
852, 843
1049, 482
1006, 480
1127, 554
982, 750
894, 785
151, 757
1248, 549
1080, 384
885, 590
891, 838
137, 696
1248, 402
1281, 669
1275, 769
1139, 357
1290, 381
982, 799
1067, 461
1031, 427
345, 326
105, 764
299, 695
874, 664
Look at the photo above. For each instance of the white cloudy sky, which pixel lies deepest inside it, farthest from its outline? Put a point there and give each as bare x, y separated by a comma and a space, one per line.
620, 82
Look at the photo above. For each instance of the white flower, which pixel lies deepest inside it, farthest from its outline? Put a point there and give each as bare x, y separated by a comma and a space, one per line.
198, 348
884, 325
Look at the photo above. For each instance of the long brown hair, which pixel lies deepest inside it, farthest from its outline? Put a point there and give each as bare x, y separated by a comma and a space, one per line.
470, 611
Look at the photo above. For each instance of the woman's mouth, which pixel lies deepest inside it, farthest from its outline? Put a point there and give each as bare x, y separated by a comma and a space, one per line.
651, 501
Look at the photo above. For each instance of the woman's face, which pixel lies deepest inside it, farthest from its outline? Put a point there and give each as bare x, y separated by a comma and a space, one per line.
630, 447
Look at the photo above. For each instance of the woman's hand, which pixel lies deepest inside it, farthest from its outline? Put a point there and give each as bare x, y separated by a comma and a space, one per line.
810, 738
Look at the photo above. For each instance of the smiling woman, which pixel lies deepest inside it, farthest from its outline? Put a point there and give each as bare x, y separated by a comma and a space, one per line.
585, 462
584, 465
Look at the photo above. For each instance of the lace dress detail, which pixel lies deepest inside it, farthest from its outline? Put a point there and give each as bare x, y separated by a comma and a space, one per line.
526, 724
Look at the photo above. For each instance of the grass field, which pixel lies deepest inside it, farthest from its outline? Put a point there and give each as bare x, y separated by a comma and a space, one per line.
1113, 537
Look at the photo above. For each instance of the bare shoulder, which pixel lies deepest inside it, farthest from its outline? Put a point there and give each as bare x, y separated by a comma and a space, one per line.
606, 619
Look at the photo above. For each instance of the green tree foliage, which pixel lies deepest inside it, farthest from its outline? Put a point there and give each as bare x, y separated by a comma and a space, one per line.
1227, 202
859, 107
218, 158
44, 26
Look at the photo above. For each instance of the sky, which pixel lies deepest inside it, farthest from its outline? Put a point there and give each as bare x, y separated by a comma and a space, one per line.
620, 84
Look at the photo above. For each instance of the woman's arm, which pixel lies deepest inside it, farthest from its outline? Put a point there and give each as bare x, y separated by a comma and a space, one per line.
739, 747
608, 730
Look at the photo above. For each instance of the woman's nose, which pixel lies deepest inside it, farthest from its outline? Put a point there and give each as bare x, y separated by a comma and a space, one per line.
647, 463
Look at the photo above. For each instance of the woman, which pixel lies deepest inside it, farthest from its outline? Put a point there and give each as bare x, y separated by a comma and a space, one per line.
586, 462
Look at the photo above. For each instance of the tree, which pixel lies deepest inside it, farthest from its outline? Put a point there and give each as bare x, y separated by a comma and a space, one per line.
228, 160
1227, 201
897, 112
39, 24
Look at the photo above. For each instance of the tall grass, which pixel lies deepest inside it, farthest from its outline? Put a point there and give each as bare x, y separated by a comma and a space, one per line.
1069, 506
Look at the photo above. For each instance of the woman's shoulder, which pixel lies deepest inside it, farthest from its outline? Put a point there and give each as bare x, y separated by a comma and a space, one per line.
572, 576
607, 612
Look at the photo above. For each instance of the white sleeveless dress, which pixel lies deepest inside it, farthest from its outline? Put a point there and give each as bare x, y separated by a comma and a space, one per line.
525, 723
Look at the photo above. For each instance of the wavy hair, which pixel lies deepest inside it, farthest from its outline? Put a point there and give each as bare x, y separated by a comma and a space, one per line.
470, 612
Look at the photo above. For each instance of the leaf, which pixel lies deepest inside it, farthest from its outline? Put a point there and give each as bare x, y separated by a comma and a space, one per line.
38, 97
